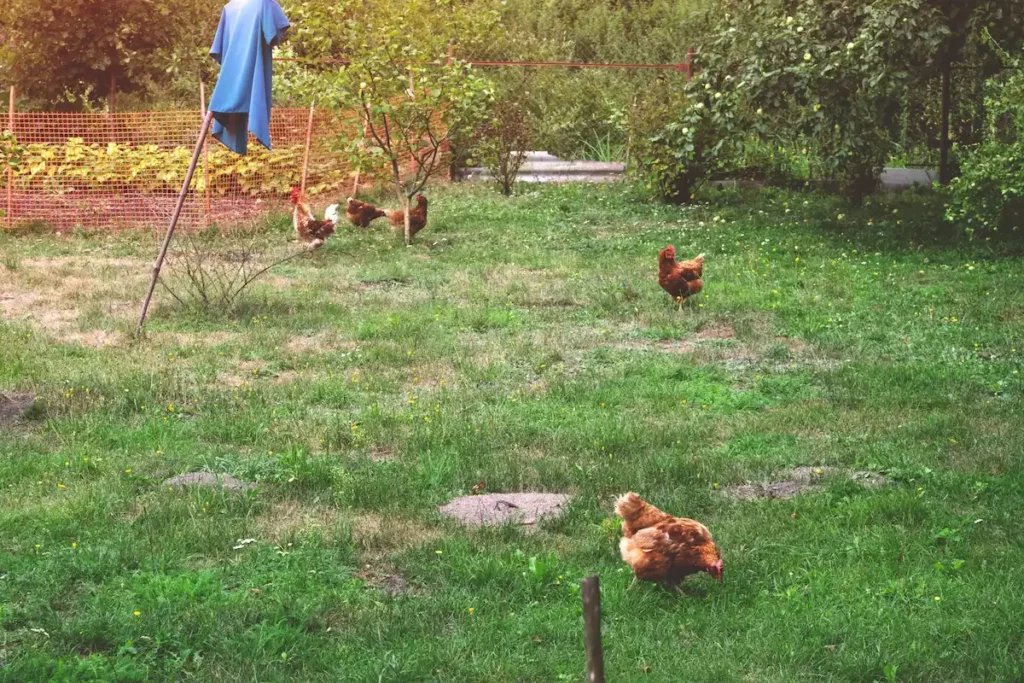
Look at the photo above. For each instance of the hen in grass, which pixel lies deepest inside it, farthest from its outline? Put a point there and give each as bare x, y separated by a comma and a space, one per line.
681, 279
311, 231
417, 217
662, 548
361, 214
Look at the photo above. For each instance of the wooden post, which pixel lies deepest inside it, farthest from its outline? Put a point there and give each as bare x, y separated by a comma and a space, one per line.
689, 64
113, 91
174, 219
10, 171
309, 136
592, 629
944, 170
206, 158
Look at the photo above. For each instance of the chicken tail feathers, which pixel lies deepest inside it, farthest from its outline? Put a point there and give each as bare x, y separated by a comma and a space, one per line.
629, 506
637, 514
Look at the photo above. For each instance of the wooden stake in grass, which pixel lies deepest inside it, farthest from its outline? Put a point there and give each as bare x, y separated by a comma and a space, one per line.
207, 120
206, 159
10, 171
309, 137
592, 629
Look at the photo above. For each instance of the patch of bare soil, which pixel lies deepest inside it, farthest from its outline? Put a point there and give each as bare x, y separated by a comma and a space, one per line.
387, 580
717, 343
14, 406
49, 312
209, 480
382, 283
800, 480
317, 343
523, 509
710, 333
285, 520
380, 453
194, 338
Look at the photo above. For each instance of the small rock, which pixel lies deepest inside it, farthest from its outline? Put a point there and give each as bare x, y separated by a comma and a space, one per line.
524, 509
209, 480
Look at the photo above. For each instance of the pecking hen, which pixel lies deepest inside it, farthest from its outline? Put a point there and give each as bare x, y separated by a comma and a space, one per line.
311, 231
663, 548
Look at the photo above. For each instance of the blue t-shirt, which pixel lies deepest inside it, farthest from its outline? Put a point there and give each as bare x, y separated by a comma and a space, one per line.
241, 101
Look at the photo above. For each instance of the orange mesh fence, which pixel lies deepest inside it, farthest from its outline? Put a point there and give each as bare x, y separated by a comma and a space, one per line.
124, 170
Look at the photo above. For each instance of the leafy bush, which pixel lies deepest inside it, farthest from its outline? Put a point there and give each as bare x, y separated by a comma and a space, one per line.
830, 76
701, 136
11, 153
505, 139
989, 194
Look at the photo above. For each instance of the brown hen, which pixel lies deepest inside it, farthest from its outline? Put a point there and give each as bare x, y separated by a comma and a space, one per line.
663, 548
361, 214
680, 279
417, 217
310, 230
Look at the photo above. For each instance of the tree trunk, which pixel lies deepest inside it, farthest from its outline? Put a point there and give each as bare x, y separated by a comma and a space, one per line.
408, 224
403, 201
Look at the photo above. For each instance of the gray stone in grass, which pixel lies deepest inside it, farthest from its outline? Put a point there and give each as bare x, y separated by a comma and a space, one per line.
524, 509
209, 480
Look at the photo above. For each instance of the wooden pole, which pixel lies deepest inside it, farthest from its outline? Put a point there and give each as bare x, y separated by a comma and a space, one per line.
944, 171
10, 171
689, 64
206, 157
110, 106
592, 629
309, 137
174, 220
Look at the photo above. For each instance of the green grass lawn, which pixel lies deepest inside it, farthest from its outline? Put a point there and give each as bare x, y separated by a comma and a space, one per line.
524, 343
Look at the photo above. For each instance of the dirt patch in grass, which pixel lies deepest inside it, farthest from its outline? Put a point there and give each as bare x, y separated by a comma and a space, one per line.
381, 283
15, 406
208, 480
522, 509
193, 338
718, 343
790, 483
387, 580
380, 453
230, 381
97, 339
286, 377
380, 536
50, 314
431, 378
317, 343
287, 520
